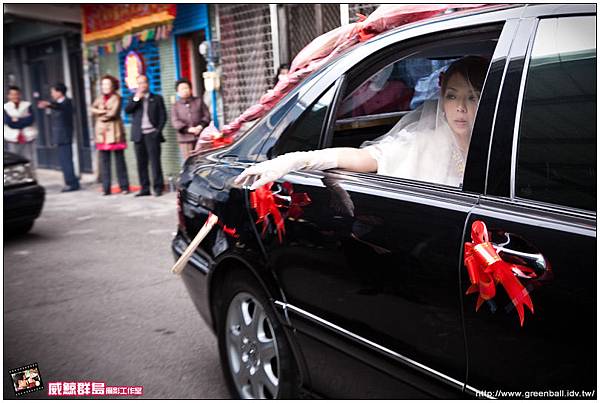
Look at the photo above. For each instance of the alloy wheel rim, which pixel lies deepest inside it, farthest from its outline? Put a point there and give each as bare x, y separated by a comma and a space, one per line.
251, 349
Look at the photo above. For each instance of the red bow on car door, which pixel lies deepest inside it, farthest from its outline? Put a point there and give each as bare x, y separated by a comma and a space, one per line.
297, 201
263, 201
266, 203
486, 269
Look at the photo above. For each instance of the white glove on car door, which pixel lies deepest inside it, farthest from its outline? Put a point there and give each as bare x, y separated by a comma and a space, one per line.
271, 170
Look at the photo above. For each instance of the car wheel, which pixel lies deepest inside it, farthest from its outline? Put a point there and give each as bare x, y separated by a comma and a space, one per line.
255, 356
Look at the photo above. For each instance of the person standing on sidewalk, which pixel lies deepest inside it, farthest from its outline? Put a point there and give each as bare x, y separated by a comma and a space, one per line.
61, 126
110, 133
149, 119
189, 117
19, 130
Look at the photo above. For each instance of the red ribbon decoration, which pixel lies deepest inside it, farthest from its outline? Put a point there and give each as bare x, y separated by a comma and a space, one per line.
486, 269
211, 142
265, 203
222, 141
298, 200
227, 230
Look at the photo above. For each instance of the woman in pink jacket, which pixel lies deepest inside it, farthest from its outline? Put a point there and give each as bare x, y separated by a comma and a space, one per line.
110, 133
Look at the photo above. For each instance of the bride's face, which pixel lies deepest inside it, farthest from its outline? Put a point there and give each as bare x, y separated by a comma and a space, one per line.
460, 104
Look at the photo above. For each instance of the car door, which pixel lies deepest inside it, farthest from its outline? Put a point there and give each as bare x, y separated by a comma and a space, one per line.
540, 212
369, 264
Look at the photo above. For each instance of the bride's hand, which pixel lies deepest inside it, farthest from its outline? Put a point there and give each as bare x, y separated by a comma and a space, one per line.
264, 172
271, 170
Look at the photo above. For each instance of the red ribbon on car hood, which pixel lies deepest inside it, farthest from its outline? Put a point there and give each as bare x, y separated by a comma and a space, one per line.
210, 138
486, 269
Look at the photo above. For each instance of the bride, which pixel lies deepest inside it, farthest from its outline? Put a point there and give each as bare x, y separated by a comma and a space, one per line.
428, 144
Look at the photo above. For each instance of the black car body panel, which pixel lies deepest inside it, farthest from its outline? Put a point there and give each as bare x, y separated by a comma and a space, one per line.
13, 159
210, 191
362, 269
555, 349
370, 281
22, 202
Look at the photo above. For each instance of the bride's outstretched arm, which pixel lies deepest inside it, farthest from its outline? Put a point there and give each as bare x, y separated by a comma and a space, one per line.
356, 159
352, 159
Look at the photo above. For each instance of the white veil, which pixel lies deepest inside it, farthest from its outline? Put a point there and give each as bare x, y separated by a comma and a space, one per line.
421, 146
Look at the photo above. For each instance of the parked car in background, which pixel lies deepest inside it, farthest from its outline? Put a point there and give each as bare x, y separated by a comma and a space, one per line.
362, 291
23, 196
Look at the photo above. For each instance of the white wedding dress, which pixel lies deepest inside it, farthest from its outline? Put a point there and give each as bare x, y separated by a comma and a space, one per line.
420, 147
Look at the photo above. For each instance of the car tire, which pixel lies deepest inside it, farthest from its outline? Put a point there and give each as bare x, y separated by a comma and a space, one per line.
256, 358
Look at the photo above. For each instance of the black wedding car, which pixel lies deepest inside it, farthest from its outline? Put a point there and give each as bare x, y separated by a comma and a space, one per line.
360, 291
23, 196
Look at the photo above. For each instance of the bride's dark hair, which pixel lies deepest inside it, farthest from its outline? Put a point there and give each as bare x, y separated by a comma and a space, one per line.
471, 68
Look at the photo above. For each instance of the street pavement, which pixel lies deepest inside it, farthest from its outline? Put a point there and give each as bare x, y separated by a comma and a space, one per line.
88, 295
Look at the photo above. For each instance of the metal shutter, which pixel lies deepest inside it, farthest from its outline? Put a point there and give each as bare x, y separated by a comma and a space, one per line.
246, 55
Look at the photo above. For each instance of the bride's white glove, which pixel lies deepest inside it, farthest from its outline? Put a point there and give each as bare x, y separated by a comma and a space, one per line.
271, 170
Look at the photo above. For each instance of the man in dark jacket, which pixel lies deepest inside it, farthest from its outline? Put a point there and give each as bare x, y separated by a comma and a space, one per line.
61, 125
149, 119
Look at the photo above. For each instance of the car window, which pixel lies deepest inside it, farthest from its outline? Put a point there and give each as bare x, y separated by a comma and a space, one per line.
305, 133
398, 87
556, 157
253, 145
382, 93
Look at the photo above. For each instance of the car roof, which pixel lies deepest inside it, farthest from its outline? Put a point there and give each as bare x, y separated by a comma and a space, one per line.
445, 17
496, 12
526, 11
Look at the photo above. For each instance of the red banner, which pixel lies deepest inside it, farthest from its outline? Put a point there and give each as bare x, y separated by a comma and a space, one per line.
103, 21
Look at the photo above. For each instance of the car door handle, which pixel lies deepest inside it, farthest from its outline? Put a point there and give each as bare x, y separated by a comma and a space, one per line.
536, 260
281, 194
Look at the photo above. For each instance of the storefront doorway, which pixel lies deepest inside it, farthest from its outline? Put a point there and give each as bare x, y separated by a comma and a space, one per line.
46, 68
191, 63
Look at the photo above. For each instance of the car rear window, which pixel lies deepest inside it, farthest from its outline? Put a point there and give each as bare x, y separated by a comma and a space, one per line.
556, 160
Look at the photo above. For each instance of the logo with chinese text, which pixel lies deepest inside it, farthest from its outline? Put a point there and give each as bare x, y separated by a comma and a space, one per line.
91, 388
26, 379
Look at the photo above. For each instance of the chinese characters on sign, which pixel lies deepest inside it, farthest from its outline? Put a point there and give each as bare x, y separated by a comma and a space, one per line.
111, 20
92, 389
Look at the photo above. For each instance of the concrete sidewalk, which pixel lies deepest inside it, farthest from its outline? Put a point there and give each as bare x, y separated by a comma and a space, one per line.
53, 180
89, 296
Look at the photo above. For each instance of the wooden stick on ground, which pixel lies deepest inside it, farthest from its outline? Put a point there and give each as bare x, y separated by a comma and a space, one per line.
187, 254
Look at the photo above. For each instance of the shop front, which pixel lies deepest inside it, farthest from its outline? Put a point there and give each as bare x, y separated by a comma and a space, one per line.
191, 34
127, 40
